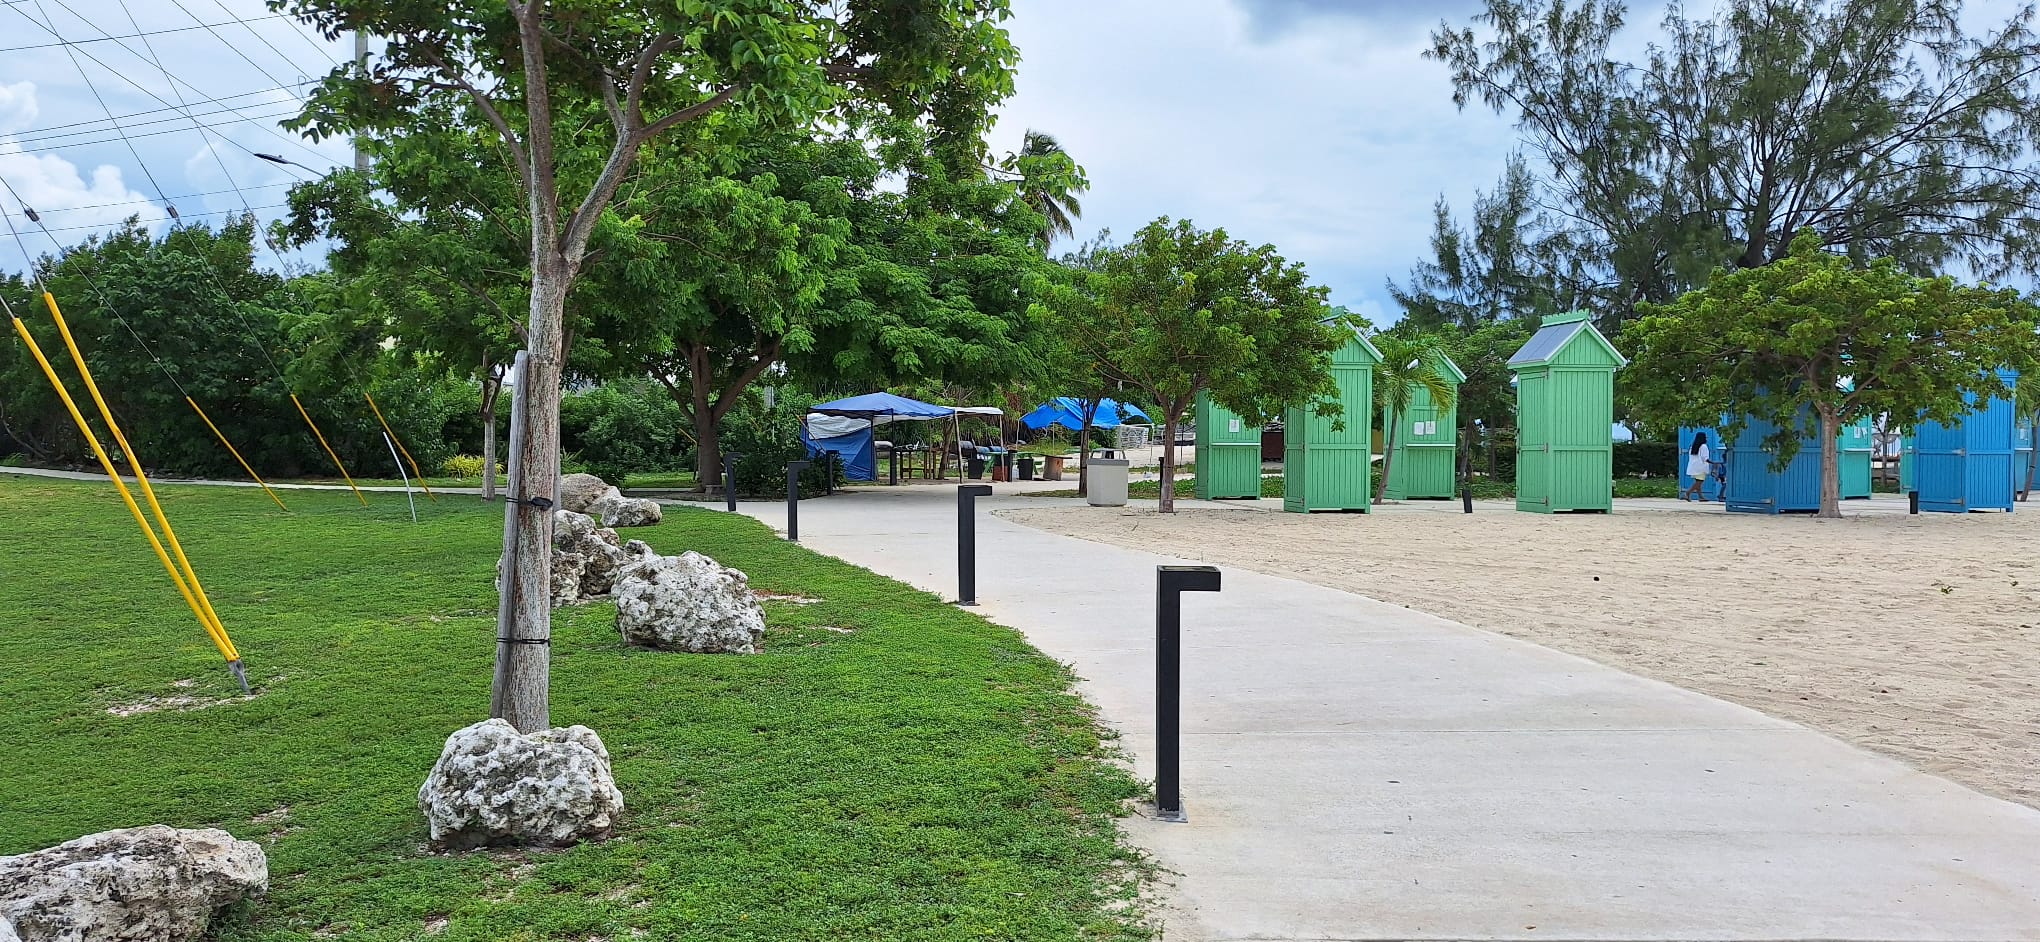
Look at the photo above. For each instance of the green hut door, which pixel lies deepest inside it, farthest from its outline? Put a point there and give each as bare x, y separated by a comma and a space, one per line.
1228, 454
1327, 468
1533, 442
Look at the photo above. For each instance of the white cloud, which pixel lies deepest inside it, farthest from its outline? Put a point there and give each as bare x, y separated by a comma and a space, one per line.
17, 106
70, 201
1330, 142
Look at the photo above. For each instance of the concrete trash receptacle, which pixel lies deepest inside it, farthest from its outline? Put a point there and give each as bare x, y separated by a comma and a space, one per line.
1107, 484
1052, 468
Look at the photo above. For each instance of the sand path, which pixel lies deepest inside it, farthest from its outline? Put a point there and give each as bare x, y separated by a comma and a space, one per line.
1918, 637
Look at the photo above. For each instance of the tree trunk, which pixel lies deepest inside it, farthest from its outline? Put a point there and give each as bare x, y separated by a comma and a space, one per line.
1830, 463
707, 446
1387, 456
1084, 458
526, 594
1169, 462
492, 390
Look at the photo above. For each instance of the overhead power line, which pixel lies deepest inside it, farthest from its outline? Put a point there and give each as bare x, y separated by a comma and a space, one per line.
38, 132
175, 81
154, 32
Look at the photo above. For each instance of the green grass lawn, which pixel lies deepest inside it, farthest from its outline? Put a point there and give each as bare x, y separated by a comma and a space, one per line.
921, 774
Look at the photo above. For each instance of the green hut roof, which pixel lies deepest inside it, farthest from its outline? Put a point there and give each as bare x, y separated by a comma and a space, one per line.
1560, 330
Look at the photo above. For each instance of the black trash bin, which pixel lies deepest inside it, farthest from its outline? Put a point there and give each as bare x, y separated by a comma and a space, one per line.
975, 465
1026, 467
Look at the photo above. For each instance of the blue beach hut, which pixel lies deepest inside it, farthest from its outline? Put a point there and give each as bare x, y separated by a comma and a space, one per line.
1756, 487
1968, 465
1710, 489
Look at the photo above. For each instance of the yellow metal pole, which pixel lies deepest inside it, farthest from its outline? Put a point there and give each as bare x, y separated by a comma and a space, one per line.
420, 475
329, 449
135, 465
106, 464
237, 455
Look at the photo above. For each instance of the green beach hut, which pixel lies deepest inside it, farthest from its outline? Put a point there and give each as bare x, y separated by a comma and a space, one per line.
1426, 443
1327, 468
1565, 417
1853, 453
1228, 454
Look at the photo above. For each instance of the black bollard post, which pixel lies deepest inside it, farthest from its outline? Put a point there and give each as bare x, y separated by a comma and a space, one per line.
1912, 500
793, 470
1465, 499
966, 540
729, 480
1170, 584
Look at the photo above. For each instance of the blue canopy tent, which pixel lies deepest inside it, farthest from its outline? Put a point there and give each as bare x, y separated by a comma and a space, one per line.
874, 409
882, 407
849, 440
1068, 412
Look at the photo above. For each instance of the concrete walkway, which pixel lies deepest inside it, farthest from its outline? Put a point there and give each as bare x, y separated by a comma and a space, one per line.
153, 479
1355, 770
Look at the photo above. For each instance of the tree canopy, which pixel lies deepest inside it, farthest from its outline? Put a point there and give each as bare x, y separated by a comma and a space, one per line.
1178, 311
1879, 124
1812, 343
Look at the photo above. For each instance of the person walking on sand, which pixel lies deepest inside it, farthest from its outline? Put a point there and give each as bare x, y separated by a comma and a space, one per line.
1697, 467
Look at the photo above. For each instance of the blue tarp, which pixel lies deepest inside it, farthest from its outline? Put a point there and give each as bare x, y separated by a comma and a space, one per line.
1068, 412
883, 404
853, 451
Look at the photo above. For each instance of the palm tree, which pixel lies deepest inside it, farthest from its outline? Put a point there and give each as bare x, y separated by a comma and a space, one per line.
1049, 181
1407, 365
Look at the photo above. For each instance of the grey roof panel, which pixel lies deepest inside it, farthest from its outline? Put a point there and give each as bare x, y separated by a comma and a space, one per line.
1546, 343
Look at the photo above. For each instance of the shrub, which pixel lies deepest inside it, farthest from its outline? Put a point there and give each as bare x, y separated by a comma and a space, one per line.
1646, 459
765, 440
465, 466
622, 427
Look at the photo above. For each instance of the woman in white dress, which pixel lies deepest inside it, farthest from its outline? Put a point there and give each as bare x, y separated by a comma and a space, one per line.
1697, 467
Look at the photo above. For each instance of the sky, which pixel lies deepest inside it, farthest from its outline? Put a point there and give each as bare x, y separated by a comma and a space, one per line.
1313, 125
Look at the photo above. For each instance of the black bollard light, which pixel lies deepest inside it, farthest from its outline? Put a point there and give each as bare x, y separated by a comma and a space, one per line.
1170, 584
1465, 499
729, 480
1912, 500
793, 470
828, 474
966, 540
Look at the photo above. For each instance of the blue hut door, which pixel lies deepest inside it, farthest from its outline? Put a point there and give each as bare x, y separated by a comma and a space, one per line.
1939, 449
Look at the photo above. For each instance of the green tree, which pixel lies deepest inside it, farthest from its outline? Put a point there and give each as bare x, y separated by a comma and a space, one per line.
1508, 265
709, 69
1179, 310
1813, 335
1408, 363
1878, 123
1049, 182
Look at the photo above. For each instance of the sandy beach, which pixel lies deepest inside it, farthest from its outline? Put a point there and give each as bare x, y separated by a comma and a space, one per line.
1918, 637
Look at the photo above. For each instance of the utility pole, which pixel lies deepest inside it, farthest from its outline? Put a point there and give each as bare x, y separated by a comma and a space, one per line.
360, 61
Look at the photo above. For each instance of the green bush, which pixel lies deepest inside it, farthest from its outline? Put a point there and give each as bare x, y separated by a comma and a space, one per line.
465, 466
765, 440
1646, 459
622, 427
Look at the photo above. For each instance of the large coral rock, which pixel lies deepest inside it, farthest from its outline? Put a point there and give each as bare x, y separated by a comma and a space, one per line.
577, 491
496, 786
689, 603
587, 558
616, 510
145, 884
